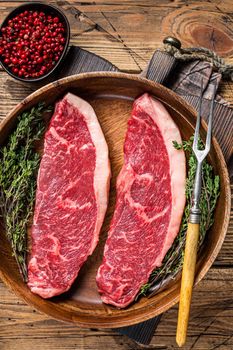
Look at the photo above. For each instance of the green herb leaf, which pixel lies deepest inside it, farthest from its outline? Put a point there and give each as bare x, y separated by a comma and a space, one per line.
177, 145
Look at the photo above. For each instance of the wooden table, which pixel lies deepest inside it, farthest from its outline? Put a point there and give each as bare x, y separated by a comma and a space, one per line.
127, 33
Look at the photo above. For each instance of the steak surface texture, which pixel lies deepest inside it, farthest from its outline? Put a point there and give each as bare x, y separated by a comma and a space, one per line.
149, 205
71, 197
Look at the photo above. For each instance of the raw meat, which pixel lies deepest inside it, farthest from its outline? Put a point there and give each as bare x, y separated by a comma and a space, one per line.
71, 198
149, 206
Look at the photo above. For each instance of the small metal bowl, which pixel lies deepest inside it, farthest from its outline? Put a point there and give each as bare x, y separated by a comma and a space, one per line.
48, 9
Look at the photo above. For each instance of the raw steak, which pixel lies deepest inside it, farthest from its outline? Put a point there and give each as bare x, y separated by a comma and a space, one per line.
71, 198
149, 206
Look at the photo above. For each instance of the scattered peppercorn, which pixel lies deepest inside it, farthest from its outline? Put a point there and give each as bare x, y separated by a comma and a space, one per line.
31, 43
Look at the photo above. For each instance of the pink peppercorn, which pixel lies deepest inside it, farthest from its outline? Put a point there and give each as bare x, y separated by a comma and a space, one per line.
25, 45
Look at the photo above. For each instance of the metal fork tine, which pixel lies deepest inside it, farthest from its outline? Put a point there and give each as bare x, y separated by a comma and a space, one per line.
196, 135
209, 131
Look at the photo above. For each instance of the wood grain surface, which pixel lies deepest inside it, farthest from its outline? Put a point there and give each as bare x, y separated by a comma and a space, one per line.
127, 33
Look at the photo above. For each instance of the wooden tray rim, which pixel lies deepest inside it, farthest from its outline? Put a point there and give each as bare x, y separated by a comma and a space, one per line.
115, 322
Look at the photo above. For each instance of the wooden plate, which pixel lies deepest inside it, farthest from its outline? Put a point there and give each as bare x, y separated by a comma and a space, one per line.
112, 95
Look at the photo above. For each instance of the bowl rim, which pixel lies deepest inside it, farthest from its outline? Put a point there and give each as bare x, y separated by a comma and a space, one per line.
66, 22
150, 310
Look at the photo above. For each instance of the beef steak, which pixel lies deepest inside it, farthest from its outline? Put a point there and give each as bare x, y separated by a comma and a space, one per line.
149, 206
71, 197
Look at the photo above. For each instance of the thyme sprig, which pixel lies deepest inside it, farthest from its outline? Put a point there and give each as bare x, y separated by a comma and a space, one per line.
173, 260
19, 163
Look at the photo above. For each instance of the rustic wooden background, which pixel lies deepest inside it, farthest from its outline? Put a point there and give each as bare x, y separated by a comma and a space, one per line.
127, 32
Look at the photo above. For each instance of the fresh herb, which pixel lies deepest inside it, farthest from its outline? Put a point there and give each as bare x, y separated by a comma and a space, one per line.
173, 260
19, 163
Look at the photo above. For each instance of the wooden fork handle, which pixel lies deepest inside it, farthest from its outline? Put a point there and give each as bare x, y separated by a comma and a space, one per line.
188, 274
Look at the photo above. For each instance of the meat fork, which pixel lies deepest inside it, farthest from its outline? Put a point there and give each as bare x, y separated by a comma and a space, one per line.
192, 237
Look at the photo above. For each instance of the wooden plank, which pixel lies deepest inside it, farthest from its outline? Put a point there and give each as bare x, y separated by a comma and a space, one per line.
210, 322
11, 93
225, 256
127, 32
119, 31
